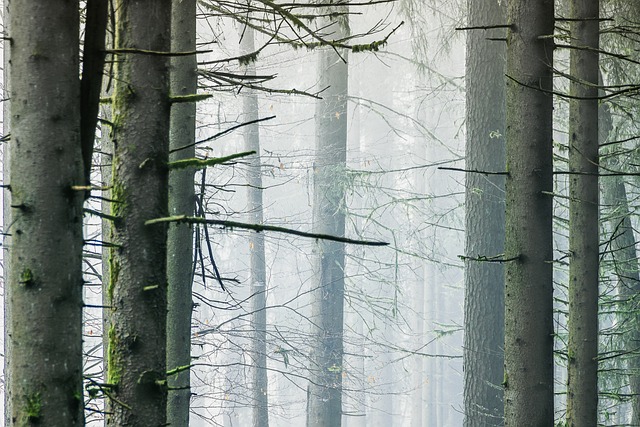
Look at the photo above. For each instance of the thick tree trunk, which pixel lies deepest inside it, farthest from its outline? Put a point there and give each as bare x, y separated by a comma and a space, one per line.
484, 218
136, 359
46, 162
528, 350
259, 389
184, 81
584, 228
325, 387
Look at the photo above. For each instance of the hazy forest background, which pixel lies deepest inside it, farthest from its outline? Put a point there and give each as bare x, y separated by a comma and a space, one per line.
478, 140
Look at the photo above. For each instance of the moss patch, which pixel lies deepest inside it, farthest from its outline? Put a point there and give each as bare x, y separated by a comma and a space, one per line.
33, 407
114, 272
26, 277
114, 364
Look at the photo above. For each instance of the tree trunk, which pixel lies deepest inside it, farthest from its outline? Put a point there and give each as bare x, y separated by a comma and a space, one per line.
259, 385
136, 359
91, 82
528, 350
6, 210
325, 387
46, 162
184, 81
484, 217
584, 228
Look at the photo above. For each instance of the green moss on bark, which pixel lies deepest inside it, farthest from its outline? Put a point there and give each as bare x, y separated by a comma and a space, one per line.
114, 271
114, 364
33, 407
26, 277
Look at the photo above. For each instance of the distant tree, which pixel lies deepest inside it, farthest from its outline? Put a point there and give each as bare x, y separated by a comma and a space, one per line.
46, 169
325, 385
484, 216
258, 273
528, 349
6, 210
584, 226
136, 359
184, 79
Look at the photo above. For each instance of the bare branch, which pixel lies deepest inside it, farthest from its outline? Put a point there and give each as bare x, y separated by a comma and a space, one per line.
262, 227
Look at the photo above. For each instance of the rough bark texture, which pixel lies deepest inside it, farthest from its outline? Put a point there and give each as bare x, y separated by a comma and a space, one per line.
484, 217
136, 361
46, 161
584, 228
528, 351
184, 81
251, 135
325, 388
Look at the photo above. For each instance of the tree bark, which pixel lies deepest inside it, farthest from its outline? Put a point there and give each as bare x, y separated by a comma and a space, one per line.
528, 350
325, 387
137, 291
484, 217
46, 162
184, 81
584, 228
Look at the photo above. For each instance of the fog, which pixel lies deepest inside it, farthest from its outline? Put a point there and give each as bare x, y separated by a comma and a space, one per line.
403, 306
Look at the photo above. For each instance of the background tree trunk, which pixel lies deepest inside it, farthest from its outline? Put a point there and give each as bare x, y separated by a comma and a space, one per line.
136, 359
184, 79
528, 349
259, 385
484, 217
46, 162
584, 227
6, 209
91, 83
325, 387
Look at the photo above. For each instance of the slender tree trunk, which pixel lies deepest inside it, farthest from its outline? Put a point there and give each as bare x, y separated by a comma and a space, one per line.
325, 387
91, 83
484, 217
259, 385
528, 350
584, 228
184, 81
136, 359
6, 209
46, 162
